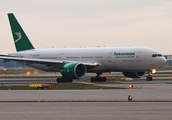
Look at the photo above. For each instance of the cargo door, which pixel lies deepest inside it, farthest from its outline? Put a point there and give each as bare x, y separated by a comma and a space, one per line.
61, 56
138, 57
109, 59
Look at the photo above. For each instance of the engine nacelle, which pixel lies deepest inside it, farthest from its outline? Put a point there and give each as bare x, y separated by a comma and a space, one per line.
73, 70
134, 74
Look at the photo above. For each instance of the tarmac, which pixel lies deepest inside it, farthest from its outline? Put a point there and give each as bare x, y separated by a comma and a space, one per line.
150, 100
86, 111
140, 92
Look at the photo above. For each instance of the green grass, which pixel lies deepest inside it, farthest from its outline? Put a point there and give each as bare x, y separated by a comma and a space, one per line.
163, 73
17, 88
22, 71
29, 76
60, 87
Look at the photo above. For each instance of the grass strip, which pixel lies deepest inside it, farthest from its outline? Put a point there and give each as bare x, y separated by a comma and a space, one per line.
29, 77
60, 87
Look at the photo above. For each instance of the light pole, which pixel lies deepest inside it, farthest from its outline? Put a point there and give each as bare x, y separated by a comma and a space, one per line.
169, 60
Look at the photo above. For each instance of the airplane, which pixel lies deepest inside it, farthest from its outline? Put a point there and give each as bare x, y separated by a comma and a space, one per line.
74, 63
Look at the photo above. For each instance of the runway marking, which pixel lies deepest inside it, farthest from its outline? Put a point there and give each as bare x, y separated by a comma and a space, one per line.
103, 112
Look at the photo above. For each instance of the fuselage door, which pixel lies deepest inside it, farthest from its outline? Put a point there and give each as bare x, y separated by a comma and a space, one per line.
109, 57
138, 57
61, 56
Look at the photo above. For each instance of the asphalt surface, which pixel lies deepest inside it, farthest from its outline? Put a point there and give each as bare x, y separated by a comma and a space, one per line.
86, 111
139, 92
91, 104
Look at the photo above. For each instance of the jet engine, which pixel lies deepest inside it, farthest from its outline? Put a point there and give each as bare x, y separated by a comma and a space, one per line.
134, 74
73, 70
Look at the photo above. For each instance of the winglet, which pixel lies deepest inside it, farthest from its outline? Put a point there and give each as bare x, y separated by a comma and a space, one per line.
21, 41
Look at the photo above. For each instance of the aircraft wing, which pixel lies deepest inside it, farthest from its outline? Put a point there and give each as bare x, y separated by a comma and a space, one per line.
7, 58
85, 63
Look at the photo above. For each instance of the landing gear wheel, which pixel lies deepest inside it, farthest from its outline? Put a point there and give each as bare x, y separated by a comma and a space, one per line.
104, 79
149, 78
98, 79
58, 80
69, 80
92, 79
64, 80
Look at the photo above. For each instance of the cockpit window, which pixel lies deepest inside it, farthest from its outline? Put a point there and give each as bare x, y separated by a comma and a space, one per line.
156, 55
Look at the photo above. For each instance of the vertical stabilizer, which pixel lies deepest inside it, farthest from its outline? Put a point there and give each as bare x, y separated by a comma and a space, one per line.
20, 39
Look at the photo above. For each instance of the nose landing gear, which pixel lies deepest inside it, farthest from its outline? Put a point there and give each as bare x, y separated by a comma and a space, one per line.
149, 77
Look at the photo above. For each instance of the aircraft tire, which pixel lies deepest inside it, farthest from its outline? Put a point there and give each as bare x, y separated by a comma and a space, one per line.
70, 80
98, 79
64, 80
58, 80
92, 79
149, 78
104, 79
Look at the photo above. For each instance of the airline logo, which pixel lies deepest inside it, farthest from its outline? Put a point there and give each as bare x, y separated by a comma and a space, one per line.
19, 35
128, 53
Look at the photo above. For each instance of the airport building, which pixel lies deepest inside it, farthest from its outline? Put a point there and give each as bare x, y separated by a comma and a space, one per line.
11, 65
169, 61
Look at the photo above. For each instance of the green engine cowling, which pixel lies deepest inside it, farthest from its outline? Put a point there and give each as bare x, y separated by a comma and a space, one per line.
73, 70
133, 74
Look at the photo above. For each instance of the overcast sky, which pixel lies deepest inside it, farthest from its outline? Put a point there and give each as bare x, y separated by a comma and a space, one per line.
89, 23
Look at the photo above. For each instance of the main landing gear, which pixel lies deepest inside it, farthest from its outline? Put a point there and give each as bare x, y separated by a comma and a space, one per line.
98, 78
64, 80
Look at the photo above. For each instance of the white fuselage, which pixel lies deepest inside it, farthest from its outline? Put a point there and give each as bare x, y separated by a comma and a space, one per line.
110, 59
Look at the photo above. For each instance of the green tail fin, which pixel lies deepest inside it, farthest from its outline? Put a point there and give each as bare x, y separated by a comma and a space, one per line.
20, 39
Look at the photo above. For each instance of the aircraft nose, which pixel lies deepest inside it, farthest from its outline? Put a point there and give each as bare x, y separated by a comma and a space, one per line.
158, 62
163, 61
